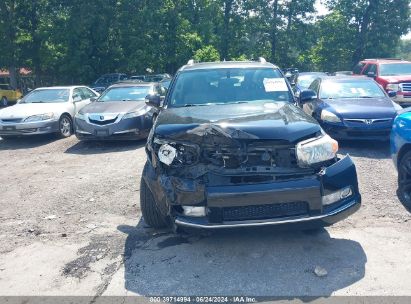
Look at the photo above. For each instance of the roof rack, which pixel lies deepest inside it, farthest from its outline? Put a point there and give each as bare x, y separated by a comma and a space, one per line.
191, 62
262, 60
371, 59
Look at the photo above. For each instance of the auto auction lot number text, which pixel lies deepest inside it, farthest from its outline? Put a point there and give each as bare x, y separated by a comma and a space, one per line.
201, 299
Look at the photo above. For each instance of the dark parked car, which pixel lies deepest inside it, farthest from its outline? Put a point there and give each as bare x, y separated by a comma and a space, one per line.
401, 155
304, 80
107, 80
229, 149
120, 112
352, 108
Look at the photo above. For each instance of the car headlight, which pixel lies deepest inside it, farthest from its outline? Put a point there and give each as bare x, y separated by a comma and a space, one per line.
176, 154
80, 116
138, 113
39, 117
316, 150
329, 116
393, 87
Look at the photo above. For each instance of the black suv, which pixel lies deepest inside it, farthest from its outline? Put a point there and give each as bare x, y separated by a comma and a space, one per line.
230, 149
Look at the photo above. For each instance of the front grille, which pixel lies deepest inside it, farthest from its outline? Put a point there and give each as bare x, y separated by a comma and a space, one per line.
12, 120
260, 212
369, 133
252, 154
405, 87
102, 123
368, 121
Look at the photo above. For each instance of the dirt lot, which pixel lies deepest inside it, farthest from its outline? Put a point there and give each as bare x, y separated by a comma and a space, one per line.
70, 225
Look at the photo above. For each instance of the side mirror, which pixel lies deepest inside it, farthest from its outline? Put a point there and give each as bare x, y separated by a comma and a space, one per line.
18, 100
371, 74
392, 94
307, 96
93, 99
153, 100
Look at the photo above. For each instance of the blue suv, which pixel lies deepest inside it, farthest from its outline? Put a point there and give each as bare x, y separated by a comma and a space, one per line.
401, 155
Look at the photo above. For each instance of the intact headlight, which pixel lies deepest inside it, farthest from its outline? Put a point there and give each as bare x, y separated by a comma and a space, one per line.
329, 116
393, 87
138, 113
39, 117
316, 150
176, 154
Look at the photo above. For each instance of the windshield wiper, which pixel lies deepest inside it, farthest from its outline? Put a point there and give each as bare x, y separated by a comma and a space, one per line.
40, 101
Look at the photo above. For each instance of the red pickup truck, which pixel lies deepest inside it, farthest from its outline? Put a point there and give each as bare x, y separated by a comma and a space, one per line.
391, 74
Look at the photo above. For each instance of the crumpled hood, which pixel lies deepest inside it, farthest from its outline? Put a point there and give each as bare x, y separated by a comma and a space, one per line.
362, 107
23, 110
396, 79
266, 121
113, 107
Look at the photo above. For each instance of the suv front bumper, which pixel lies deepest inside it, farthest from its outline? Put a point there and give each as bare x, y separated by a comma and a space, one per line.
282, 199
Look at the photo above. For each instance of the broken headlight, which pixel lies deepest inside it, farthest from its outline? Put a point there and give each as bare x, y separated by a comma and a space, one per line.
316, 150
176, 154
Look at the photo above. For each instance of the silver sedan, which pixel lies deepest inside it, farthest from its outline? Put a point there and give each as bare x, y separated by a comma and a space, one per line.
45, 110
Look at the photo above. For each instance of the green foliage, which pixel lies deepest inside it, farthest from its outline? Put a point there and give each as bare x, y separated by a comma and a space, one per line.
75, 41
207, 54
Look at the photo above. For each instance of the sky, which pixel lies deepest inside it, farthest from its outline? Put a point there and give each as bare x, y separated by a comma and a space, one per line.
322, 10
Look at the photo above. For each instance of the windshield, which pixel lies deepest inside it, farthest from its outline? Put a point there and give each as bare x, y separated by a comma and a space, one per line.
126, 93
350, 89
47, 96
304, 81
393, 69
231, 85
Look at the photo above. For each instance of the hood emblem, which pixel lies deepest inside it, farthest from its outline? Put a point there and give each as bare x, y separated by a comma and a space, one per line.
101, 118
368, 121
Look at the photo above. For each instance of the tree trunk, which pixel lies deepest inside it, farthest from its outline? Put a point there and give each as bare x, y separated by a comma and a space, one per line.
362, 38
274, 32
228, 6
13, 77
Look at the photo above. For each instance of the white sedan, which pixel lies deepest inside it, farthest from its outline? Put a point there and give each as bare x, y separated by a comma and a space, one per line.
45, 110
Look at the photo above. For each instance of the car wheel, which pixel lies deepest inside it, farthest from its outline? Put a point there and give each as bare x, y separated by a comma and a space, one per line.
4, 102
65, 126
152, 216
404, 179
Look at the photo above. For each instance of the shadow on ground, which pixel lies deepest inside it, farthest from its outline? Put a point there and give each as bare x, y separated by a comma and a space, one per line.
257, 262
27, 142
369, 149
99, 147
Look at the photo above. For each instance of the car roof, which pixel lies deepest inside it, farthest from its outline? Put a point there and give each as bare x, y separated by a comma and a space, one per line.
385, 60
347, 78
311, 73
131, 84
61, 87
226, 64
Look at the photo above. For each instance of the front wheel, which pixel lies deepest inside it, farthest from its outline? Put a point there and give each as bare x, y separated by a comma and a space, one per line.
404, 179
4, 102
152, 216
65, 126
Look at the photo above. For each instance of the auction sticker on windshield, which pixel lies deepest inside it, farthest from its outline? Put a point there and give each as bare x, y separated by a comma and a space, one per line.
275, 85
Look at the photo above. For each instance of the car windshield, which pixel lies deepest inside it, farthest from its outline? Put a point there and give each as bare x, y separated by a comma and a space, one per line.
47, 96
134, 93
229, 85
393, 69
304, 81
350, 89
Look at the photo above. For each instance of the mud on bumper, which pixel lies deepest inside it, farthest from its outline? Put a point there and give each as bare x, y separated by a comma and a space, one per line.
298, 201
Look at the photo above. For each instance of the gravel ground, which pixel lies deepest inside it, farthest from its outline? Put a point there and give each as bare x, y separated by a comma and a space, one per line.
70, 224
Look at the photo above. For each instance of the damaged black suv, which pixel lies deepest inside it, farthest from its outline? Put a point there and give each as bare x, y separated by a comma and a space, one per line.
230, 149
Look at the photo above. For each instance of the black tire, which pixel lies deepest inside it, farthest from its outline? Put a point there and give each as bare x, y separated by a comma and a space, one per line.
152, 216
65, 126
4, 102
404, 179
